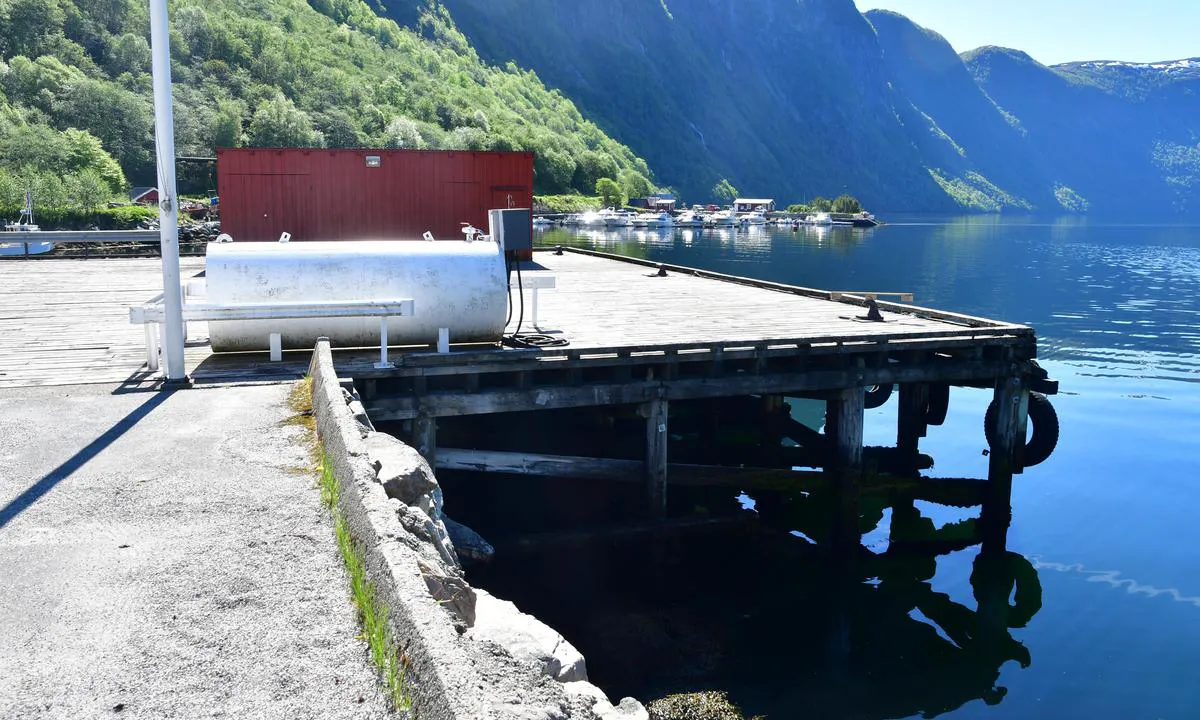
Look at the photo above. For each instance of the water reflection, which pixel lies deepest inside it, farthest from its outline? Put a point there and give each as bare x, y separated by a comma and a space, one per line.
741, 243
777, 621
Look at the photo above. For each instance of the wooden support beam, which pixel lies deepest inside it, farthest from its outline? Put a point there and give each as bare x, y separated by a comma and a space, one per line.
442, 404
959, 492
845, 428
1011, 397
656, 456
910, 425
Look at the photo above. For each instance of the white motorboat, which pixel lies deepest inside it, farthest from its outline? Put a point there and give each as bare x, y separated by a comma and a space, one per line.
689, 219
752, 218
820, 218
590, 219
660, 220
723, 218
617, 218
24, 224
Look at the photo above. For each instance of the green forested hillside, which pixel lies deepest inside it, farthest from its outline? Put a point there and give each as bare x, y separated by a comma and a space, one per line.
785, 100
76, 115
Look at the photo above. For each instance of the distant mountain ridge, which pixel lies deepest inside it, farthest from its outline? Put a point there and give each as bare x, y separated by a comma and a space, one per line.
810, 97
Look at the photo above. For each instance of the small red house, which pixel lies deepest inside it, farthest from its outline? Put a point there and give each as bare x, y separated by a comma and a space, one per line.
317, 194
144, 195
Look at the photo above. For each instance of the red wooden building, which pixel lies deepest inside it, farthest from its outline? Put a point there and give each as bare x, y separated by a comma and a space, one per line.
357, 194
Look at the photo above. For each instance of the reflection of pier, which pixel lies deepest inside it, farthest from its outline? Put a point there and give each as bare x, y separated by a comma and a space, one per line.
780, 623
895, 646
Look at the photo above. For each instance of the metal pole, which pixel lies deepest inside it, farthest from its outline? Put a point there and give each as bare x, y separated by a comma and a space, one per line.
168, 206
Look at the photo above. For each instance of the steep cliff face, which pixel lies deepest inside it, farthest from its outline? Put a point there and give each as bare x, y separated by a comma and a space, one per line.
1124, 136
789, 99
968, 140
794, 98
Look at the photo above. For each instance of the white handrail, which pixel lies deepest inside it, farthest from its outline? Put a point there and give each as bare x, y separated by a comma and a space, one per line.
278, 311
152, 314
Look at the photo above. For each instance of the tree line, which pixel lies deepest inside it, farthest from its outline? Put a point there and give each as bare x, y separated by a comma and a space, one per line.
331, 73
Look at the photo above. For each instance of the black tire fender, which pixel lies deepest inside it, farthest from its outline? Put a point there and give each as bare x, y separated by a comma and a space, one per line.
877, 395
939, 403
1018, 579
1045, 429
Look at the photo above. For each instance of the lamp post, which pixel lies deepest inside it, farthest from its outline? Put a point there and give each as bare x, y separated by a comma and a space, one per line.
168, 202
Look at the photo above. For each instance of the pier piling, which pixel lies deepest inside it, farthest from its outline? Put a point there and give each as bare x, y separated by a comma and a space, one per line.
656, 455
1011, 398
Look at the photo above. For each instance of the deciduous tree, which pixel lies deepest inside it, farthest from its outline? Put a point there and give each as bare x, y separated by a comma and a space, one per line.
609, 192
279, 123
724, 191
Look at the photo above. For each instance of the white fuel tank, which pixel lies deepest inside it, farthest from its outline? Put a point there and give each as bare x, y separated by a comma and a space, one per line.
458, 285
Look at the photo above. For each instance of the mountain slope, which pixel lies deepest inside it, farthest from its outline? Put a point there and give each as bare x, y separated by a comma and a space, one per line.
784, 99
1125, 137
286, 72
792, 99
970, 140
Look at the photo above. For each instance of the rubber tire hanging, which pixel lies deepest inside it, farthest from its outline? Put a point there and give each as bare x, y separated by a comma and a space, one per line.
877, 395
939, 403
1044, 438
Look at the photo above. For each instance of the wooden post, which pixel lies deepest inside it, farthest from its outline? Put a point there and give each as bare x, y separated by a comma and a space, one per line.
910, 425
425, 437
845, 428
1012, 406
656, 456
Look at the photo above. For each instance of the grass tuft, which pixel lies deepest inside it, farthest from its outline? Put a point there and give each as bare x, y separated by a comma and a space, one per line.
372, 614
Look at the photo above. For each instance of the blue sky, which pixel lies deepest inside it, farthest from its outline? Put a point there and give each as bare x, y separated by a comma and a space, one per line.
1056, 31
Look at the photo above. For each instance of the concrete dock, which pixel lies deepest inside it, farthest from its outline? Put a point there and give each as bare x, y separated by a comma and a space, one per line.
165, 554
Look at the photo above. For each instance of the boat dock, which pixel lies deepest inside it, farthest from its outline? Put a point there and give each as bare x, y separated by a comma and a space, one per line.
613, 333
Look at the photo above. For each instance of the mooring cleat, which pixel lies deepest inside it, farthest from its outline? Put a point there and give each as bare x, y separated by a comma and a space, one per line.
873, 313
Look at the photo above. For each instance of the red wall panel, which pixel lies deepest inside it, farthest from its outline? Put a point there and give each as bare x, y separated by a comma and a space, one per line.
334, 195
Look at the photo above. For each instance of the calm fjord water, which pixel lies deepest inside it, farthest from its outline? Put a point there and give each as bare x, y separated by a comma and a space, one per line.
1110, 520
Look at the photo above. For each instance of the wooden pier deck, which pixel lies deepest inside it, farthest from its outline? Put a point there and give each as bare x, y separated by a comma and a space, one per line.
628, 334
632, 335
66, 322
601, 302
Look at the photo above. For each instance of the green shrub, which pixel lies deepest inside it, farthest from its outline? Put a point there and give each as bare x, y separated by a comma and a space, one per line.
566, 203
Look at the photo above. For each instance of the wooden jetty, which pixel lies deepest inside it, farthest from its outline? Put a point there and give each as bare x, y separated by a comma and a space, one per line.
621, 333
637, 333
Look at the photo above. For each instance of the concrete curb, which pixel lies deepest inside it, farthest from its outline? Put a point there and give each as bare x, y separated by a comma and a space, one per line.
448, 676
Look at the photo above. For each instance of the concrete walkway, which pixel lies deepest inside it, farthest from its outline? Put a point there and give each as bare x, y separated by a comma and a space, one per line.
162, 555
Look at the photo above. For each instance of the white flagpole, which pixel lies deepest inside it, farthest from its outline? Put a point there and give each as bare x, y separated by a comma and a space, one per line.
168, 205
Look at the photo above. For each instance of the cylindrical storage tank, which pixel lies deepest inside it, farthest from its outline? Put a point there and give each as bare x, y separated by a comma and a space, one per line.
458, 285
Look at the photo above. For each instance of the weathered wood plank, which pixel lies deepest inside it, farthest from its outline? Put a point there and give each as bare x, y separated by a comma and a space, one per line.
639, 391
656, 455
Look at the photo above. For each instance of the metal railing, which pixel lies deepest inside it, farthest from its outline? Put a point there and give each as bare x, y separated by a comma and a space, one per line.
152, 314
83, 237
